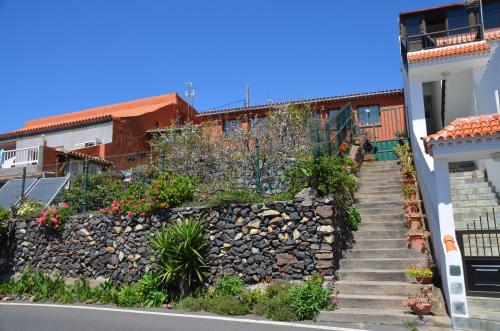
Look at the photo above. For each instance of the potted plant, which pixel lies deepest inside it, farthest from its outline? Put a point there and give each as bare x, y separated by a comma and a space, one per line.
421, 304
412, 206
416, 239
420, 272
413, 220
409, 192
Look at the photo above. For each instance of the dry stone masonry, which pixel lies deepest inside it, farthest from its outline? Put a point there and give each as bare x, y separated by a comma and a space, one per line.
259, 242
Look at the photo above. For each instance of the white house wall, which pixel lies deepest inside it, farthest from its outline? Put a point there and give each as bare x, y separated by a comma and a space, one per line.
489, 83
458, 99
69, 138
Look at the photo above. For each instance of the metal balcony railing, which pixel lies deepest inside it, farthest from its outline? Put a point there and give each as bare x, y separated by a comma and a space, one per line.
444, 38
16, 157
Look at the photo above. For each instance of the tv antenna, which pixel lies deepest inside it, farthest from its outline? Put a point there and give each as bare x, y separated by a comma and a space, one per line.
189, 93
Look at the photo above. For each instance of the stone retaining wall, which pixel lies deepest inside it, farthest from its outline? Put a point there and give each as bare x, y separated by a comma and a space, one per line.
259, 242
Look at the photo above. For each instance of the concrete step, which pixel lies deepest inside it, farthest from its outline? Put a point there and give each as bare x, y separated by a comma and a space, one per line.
467, 174
483, 304
388, 184
381, 211
380, 253
462, 225
467, 197
373, 226
376, 275
481, 210
375, 190
471, 215
371, 316
482, 321
370, 301
381, 179
379, 204
379, 234
458, 166
376, 288
376, 198
475, 203
459, 181
470, 186
365, 218
377, 243
470, 191
380, 263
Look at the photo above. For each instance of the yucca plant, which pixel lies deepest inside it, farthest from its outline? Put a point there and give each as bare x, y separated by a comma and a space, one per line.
180, 251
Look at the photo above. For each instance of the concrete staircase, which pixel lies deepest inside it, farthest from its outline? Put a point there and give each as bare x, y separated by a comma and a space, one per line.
484, 313
472, 196
373, 281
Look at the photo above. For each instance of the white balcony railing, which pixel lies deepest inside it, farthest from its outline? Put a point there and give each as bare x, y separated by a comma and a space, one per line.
16, 157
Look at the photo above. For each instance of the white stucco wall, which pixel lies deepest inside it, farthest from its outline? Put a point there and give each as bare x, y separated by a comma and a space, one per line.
493, 171
489, 83
459, 99
69, 138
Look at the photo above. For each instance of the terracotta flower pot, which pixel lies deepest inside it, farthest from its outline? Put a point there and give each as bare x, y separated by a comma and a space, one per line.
422, 309
413, 221
416, 241
410, 180
423, 280
411, 206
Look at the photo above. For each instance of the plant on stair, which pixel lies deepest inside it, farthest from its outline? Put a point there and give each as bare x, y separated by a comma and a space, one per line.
421, 304
353, 218
420, 271
417, 239
409, 192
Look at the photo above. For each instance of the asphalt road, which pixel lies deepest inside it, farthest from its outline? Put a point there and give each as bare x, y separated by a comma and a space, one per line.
91, 318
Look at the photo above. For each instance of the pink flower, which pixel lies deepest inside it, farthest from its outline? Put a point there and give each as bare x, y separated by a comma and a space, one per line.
43, 213
54, 211
56, 226
116, 209
136, 206
132, 197
129, 213
53, 220
143, 214
66, 205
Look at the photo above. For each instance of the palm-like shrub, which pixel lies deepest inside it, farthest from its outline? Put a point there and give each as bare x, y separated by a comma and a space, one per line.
180, 251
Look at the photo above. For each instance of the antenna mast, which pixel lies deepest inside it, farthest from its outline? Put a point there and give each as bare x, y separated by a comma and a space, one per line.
247, 96
189, 93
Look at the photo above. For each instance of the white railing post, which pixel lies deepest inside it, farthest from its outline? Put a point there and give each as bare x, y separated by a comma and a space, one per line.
22, 156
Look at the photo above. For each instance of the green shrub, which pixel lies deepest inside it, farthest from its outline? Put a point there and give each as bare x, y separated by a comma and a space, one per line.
172, 190
309, 298
81, 290
180, 252
101, 191
278, 288
229, 285
226, 305
253, 297
277, 308
152, 291
4, 216
105, 293
353, 218
29, 208
329, 175
190, 303
129, 296
236, 195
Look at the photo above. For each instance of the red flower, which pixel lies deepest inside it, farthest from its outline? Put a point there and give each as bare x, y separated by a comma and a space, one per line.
143, 214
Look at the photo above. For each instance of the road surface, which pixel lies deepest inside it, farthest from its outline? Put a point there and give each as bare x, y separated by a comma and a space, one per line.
47, 317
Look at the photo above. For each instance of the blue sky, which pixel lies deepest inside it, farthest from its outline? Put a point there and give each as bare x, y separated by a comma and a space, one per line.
59, 56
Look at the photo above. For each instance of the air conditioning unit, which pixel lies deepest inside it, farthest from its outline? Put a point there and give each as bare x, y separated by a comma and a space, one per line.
91, 143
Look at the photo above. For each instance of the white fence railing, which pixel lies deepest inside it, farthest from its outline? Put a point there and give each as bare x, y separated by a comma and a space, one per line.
21, 156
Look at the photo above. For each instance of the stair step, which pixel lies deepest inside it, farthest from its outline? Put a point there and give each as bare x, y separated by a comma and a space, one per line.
487, 321
372, 211
394, 189
373, 226
369, 234
379, 204
374, 275
385, 185
476, 203
468, 174
372, 198
379, 253
471, 191
370, 301
471, 186
380, 263
482, 210
483, 304
472, 216
467, 197
471, 180
376, 288
371, 316
377, 243
382, 180
381, 218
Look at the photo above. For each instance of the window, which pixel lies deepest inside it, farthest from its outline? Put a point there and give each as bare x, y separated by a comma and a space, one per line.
412, 25
333, 118
257, 123
491, 14
457, 18
369, 115
231, 126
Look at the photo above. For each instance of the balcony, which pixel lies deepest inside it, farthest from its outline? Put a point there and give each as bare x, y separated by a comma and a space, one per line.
444, 38
20, 157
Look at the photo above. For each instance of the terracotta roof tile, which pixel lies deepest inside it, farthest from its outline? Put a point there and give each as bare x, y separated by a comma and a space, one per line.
93, 115
455, 50
84, 156
492, 35
466, 127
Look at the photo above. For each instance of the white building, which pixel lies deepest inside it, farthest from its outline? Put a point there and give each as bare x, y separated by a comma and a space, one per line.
451, 71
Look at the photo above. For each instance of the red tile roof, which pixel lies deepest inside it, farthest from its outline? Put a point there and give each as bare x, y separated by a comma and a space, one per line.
465, 127
93, 115
84, 156
448, 51
492, 35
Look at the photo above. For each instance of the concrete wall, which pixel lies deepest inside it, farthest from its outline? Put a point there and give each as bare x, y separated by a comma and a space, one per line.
68, 138
493, 171
489, 83
459, 98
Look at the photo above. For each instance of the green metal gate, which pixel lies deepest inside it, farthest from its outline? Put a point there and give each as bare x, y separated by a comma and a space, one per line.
385, 131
